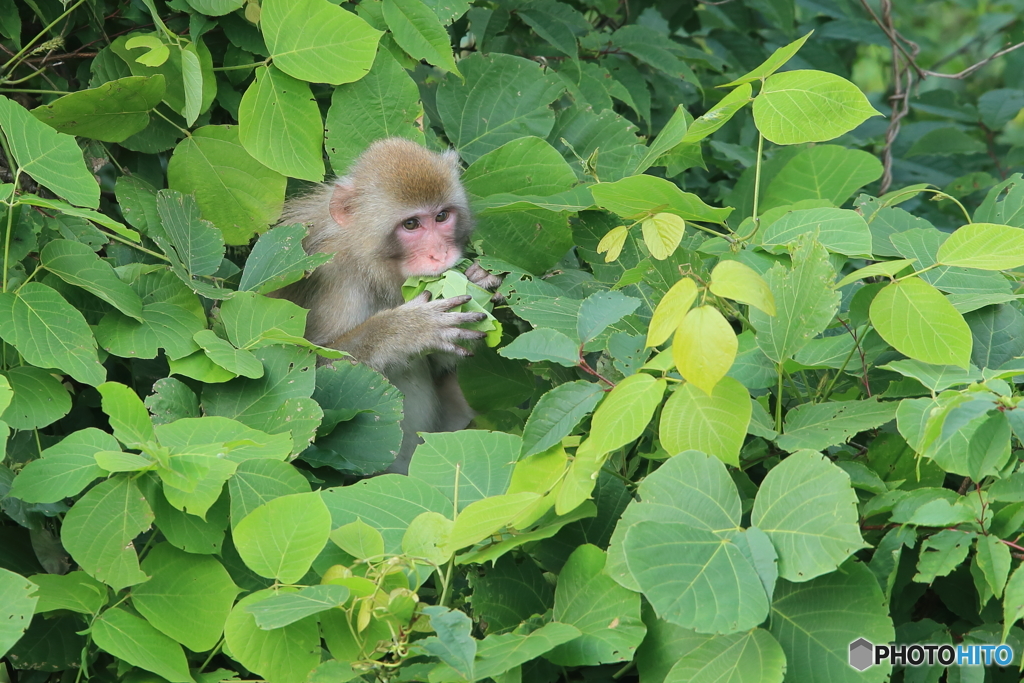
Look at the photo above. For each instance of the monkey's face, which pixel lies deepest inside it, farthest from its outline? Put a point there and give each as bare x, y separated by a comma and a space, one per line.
429, 241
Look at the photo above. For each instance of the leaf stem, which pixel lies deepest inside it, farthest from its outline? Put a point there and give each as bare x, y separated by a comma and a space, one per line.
778, 402
757, 189
10, 218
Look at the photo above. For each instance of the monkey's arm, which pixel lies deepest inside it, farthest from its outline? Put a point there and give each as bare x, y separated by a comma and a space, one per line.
390, 338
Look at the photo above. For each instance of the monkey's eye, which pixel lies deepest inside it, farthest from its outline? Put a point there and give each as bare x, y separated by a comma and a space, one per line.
411, 223
441, 217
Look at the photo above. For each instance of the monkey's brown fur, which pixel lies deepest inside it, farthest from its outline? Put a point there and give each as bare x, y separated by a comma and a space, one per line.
355, 301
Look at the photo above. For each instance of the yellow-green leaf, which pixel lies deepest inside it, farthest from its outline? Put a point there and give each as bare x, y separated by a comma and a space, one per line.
918, 321
613, 242
671, 310
986, 246
625, 412
739, 282
662, 234
704, 348
887, 268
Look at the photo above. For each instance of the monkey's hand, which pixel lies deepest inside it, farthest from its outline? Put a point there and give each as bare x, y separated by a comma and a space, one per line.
390, 338
485, 279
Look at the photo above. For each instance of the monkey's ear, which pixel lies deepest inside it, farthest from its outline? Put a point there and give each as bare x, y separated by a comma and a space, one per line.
342, 201
451, 157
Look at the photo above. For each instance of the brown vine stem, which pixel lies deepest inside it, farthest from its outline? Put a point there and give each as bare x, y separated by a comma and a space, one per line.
907, 73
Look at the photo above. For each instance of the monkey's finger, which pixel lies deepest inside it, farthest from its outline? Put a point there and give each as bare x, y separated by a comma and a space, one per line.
463, 318
482, 278
454, 349
453, 302
422, 298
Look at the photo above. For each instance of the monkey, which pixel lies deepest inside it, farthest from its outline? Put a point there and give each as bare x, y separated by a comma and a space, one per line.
400, 211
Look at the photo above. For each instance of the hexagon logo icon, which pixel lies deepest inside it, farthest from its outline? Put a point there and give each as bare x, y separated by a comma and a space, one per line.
861, 654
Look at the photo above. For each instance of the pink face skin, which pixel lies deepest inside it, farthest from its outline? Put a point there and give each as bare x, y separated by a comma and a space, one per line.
428, 240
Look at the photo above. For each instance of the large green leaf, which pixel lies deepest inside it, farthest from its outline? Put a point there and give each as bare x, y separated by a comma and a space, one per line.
839, 230
235, 192
742, 657
50, 333
53, 159
590, 600
111, 112
918, 321
817, 426
418, 31
183, 86
640, 195
809, 510
823, 172
715, 424
99, 529
502, 98
694, 578
39, 398
17, 603
317, 41
280, 538
383, 103
626, 411
138, 643
780, 108
557, 413
63, 469
188, 597
77, 264
279, 123
285, 654
816, 621
198, 246
466, 466
986, 246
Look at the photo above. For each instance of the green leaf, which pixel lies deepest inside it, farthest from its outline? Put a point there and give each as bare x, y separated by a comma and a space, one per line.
883, 268
188, 597
128, 416
662, 234
557, 413
941, 553
739, 282
281, 538
53, 159
824, 172
198, 245
64, 469
501, 99
637, 196
360, 540
286, 654
258, 481
50, 333
278, 259
216, 8
587, 598
704, 347
171, 400
993, 557
809, 510
39, 398
695, 578
557, 23
600, 310
918, 321
985, 246
719, 115
804, 299
773, 63
317, 41
671, 311
112, 112
135, 641
287, 608
654, 48
453, 643
625, 412
192, 78
99, 529
499, 653
1013, 601
221, 352
87, 214
279, 122
18, 603
817, 426
543, 344
466, 466
839, 230
838, 104
715, 424
751, 656
156, 51
76, 591
235, 192
815, 622
383, 103
77, 264
169, 63
488, 516
418, 31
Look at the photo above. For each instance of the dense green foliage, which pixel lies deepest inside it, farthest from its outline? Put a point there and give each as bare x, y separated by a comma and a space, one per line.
751, 396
